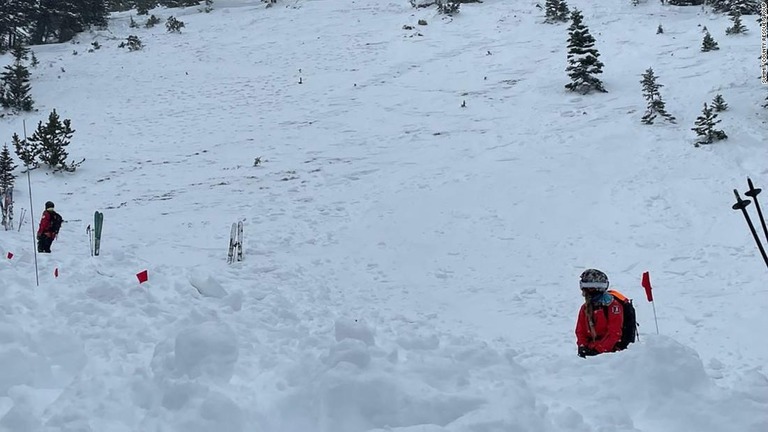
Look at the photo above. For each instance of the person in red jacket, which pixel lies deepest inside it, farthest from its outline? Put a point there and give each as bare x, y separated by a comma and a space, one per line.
49, 226
601, 317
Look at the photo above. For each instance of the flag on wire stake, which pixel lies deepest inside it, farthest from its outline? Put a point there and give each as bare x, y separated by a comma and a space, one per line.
10, 255
646, 283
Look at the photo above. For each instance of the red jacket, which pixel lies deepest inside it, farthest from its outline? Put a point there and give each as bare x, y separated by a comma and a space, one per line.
45, 225
607, 330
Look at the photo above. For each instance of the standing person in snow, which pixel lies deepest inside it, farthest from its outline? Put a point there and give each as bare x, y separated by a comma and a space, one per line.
50, 223
601, 317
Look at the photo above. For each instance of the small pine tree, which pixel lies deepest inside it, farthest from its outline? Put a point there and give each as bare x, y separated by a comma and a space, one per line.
208, 6
133, 23
34, 61
656, 106
20, 52
659, 29
6, 170
709, 44
52, 140
563, 12
26, 151
152, 21
448, 7
718, 103
556, 11
173, 25
132, 42
737, 27
705, 127
583, 63
6, 187
15, 81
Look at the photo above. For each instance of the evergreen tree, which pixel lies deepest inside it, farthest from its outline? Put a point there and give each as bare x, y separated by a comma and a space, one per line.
52, 140
556, 11
94, 12
448, 7
132, 42
583, 63
16, 16
659, 30
6, 170
718, 103
151, 21
709, 44
16, 88
656, 106
143, 6
20, 52
705, 127
173, 25
562, 11
119, 5
737, 27
56, 21
719, 5
742, 7
6, 187
26, 151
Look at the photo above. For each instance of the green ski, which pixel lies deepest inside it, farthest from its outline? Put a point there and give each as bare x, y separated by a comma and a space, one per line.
98, 220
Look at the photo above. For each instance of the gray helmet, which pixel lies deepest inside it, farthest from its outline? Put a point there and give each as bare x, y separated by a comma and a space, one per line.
593, 279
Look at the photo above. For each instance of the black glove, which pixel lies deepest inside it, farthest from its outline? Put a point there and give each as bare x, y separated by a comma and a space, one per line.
585, 351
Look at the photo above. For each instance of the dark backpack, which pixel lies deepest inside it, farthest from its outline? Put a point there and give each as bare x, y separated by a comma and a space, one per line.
629, 329
56, 221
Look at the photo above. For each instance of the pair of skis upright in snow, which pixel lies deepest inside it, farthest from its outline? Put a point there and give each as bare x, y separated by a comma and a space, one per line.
94, 236
235, 252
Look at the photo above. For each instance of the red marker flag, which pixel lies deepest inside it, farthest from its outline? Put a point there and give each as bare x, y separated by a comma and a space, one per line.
56, 272
142, 276
10, 255
647, 285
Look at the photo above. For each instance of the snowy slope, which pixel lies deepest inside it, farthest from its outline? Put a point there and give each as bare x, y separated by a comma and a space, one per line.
410, 265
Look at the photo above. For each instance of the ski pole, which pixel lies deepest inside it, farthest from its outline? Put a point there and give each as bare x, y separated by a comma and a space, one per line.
21, 218
753, 193
742, 205
90, 238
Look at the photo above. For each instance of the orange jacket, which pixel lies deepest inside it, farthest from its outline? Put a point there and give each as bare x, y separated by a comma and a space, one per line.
607, 327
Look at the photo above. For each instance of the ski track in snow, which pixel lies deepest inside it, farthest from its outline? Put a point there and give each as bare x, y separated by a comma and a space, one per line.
410, 264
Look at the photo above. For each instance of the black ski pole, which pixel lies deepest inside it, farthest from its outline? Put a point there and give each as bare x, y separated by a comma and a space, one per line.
742, 205
753, 193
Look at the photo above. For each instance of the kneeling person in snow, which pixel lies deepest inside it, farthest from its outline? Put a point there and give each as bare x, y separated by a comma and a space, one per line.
50, 223
601, 317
